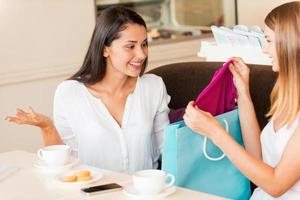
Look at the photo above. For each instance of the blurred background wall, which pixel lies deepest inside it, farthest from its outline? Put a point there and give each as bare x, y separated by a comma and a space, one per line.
39, 40
253, 12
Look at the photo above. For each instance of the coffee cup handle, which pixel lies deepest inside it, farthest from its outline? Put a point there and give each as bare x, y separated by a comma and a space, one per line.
171, 183
40, 154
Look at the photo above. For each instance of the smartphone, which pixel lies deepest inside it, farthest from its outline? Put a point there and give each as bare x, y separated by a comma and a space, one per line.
101, 189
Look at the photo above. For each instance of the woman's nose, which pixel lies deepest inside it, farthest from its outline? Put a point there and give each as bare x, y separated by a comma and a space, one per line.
142, 53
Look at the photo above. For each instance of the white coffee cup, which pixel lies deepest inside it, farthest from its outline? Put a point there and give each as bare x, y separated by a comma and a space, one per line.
152, 181
54, 155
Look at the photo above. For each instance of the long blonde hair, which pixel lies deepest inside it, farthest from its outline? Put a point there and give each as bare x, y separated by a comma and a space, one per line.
284, 20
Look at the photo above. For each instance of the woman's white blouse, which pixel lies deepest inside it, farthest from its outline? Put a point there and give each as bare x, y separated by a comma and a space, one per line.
85, 124
273, 145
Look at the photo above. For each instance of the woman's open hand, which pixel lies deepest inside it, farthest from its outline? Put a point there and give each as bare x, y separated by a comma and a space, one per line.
30, 118
49, 132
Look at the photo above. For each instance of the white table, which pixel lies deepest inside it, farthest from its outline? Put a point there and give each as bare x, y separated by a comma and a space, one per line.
31, 183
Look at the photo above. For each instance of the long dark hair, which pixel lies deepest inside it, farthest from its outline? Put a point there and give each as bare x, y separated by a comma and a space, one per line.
109, 23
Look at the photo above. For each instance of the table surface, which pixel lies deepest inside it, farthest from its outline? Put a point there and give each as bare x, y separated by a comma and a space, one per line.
31, 183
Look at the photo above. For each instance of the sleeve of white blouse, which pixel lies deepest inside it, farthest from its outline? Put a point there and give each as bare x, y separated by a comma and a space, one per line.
161, 119
61, 121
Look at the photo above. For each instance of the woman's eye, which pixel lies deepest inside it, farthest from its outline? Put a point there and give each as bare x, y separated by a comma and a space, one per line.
130, 46
145, 44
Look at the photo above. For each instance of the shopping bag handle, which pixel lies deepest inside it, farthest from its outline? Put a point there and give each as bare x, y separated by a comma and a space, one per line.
205, 142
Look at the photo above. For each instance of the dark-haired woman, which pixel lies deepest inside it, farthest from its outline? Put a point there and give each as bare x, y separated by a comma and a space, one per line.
109, 113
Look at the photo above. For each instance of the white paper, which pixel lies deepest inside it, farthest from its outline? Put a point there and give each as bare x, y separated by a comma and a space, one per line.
221, 53
239, 42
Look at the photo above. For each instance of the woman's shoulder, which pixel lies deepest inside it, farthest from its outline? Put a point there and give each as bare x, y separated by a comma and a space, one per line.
152, 80
68, 83
153, 85
68, 87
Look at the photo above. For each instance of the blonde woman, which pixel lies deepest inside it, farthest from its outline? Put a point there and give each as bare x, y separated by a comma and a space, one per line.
271, 159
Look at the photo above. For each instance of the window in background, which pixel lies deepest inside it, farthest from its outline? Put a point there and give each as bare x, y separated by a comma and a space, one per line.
199, 12
173, 19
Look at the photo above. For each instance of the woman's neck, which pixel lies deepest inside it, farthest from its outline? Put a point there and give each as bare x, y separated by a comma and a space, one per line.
117, 84
114, 84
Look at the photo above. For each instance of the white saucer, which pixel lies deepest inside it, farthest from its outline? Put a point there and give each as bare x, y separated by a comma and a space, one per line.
42, 165
132, 193
96, 174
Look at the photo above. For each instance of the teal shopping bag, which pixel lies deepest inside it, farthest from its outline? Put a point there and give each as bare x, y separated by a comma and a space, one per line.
199, 165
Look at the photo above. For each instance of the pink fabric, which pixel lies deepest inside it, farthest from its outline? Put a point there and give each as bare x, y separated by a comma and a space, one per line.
217, 98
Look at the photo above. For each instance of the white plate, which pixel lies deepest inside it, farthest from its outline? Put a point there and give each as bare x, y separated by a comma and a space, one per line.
96, 174
133, 194
42, 165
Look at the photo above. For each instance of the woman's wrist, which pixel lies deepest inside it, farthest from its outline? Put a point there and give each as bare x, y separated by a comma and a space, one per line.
51, 135
49, 127
244, 95
219, 136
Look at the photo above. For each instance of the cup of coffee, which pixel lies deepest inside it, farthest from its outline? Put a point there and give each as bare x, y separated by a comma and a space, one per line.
54, 155
152, 181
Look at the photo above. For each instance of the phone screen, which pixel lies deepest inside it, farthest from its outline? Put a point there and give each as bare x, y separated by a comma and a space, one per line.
111, 186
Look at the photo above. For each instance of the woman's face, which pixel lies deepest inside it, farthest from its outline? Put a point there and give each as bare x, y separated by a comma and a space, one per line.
127, 54
270, 47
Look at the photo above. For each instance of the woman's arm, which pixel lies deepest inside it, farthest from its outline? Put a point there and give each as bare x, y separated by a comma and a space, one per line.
50, 135
274, 180
248, 120
49, 132
249, 126
161, 119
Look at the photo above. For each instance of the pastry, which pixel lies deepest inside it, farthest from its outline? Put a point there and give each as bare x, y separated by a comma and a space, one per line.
84, 178
83, 173
71, 178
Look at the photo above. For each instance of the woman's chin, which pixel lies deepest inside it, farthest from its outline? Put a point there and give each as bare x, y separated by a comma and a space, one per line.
275, 68
134, 73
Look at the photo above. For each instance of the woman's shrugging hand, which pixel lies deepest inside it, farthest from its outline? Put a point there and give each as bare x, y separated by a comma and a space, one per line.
30, 118
49, 132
